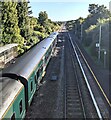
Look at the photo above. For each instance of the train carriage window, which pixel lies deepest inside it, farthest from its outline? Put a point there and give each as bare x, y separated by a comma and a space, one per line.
37, 74
13, 117
20, 106
31, 85
35, 79
42, 69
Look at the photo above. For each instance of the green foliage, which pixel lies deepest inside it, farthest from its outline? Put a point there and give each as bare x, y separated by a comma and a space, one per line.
102, 21
34, 39
14, 29
10, 30
92, 27
45, 24
88, 30
18, 27
93, 8
99, 14
43, 18
41, 29
40, 35
69, 24
23, 19
33, 22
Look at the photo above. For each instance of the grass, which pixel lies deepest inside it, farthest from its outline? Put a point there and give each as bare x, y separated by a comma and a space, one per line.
94, 58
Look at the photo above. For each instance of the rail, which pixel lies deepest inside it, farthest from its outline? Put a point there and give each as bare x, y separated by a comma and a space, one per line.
74, 106
86, 80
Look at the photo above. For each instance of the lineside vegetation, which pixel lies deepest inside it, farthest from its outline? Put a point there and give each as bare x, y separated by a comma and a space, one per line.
18, 26
87, 31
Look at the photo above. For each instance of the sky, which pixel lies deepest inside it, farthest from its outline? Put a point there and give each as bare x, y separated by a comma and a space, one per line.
64, 10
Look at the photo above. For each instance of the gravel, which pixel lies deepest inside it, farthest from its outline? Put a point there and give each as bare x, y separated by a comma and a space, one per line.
47, 101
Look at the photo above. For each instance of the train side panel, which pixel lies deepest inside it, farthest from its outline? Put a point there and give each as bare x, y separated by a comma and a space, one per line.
36, 76
33, 81
32, 69
17, 108
31, 87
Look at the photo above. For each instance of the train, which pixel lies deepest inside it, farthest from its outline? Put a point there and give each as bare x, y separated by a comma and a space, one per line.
19, 81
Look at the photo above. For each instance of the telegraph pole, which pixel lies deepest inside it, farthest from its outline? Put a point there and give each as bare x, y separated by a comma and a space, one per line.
75, 29
99, 52
81, 31
105, 58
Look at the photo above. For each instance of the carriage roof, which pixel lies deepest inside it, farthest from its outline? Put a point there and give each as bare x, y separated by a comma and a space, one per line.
9, 88
26, 63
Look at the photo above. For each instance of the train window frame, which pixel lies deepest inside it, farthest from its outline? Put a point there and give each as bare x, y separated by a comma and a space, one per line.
35, 78
13, 116
41, 69
31, 86
20, 106
37, 74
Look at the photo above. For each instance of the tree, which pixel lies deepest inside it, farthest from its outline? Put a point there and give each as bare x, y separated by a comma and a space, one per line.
0, 23
77, 26
103, 12
33, 22
93, 8
23, 19
18, 27
9, 21
98, 11
43, 18
10, 31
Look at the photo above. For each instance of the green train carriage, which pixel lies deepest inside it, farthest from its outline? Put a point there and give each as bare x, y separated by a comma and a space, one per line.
30, 68
12, 99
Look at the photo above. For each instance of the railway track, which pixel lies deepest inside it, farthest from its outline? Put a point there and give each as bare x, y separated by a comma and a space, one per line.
77, 103
92, 83
73, 103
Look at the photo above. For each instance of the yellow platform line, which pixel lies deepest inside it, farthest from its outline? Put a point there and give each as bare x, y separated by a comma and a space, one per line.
94, 77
